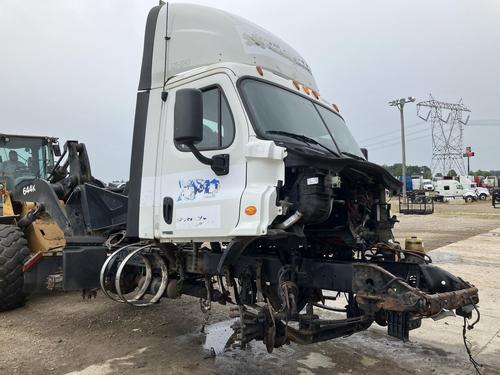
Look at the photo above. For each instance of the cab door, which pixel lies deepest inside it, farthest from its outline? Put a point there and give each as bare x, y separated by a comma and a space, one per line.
191, 201
459, 190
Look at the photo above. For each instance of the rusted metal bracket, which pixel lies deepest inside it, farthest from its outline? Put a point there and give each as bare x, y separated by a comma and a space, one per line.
374, 285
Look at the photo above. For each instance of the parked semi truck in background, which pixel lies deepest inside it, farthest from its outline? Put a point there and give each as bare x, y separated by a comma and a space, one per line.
469, 183
446, 189
246, 188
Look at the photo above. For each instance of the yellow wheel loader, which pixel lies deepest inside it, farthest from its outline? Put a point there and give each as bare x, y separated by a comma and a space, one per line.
46, 217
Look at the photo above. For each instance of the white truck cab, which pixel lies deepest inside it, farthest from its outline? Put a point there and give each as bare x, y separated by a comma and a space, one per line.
427, 184
481, 192
257, 94
451, 189
242, 171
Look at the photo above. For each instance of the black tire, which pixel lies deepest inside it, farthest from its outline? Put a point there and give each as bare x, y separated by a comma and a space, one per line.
483, 196
468, 199
13, 253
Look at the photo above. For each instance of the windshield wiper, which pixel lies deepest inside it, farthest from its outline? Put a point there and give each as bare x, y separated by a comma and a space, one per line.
353, 155
303, 138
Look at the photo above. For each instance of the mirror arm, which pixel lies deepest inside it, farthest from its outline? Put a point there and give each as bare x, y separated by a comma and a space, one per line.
218, 163
198, 155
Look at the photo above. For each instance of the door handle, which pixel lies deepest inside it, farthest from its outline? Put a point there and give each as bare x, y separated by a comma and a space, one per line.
168, 209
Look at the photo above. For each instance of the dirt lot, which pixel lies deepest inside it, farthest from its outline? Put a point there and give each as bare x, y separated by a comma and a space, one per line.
450, 222
60, 334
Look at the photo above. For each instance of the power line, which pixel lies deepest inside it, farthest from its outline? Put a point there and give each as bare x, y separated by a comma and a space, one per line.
485, 119
380, 147
484, 122
391, 132
393, 138
396, 143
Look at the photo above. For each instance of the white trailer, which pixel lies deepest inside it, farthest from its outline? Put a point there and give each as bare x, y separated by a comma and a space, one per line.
419, 183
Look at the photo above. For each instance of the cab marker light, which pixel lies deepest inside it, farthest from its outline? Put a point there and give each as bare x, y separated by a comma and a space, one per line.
316, 94
296, 84
306, 90
335, 107
260, 70
250, 210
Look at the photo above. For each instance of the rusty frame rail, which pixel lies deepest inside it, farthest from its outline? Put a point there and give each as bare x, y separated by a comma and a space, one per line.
376, 286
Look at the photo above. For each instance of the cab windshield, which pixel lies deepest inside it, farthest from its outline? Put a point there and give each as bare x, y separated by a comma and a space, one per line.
24, 157
278, 111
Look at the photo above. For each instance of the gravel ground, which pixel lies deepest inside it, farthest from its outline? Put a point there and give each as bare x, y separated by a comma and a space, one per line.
61, 333
450, 222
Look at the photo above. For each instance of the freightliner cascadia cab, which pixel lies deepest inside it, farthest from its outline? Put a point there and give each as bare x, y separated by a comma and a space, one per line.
247, 188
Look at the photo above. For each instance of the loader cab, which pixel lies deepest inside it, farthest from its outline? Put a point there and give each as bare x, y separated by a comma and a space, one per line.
25, 157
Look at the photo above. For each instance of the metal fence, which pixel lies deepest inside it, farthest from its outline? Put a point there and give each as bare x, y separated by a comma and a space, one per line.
411, 206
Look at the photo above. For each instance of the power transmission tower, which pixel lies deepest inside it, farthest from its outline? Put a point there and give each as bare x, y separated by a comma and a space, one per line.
447, 134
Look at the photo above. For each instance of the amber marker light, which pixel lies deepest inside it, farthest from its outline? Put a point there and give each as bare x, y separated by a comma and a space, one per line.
296, 84
260, 70
306, 89
251, 210
316, 94
335, 107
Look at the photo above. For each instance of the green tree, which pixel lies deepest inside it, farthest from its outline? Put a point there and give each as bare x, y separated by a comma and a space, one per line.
411, 170
485, 173
452, 173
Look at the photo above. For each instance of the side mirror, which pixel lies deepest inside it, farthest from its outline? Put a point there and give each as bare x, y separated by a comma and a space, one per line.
188, 116
188, 128
57, 149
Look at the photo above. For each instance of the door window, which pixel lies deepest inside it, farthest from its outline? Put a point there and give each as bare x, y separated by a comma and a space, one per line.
218, 123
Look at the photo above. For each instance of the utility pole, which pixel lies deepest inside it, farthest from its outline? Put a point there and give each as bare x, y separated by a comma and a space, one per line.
400, 103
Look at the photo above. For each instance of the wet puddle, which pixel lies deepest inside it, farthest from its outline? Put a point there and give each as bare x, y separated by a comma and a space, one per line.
217, 335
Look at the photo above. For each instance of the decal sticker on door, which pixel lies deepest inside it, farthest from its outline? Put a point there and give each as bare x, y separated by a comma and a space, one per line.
194, 189
205, 217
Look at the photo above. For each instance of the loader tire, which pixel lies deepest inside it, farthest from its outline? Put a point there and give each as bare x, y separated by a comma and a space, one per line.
14, 252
